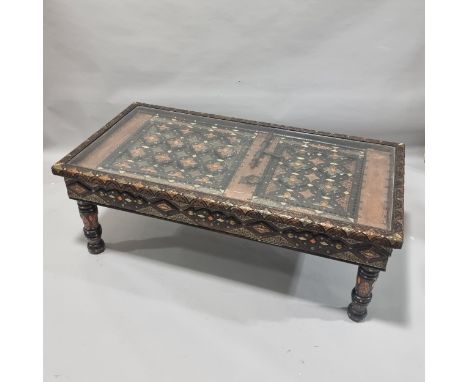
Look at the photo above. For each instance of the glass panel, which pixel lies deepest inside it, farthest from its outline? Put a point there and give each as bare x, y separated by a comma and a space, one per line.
302, 172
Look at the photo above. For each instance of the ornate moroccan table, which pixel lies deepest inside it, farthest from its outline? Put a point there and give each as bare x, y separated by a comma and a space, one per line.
330, 195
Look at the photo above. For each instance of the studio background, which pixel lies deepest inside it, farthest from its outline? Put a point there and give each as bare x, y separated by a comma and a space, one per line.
169, 303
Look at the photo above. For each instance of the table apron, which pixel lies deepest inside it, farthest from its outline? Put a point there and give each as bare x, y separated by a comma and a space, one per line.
281, 235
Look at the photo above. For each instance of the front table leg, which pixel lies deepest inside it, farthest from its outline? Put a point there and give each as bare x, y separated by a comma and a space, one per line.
92, 229
362, 293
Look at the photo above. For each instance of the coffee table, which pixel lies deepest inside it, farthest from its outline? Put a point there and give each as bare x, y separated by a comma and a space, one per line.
331, 195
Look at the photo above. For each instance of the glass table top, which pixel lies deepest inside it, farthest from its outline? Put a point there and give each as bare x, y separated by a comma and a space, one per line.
343, 179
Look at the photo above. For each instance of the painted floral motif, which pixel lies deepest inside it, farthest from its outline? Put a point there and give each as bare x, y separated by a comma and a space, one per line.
163, 158
137, 152
214, 166
224, 152
200, 147
175, 143
188, 162
151, 139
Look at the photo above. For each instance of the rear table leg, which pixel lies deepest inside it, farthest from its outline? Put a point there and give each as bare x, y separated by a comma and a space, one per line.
362, 293
92, 229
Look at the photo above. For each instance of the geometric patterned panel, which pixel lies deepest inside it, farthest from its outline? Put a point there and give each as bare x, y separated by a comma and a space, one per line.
313, 175
177, 151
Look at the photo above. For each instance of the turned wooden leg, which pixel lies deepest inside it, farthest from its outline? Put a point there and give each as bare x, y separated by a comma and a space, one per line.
92, 229
362, 293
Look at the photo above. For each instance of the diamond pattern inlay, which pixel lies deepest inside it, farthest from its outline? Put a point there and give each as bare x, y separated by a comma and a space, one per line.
262, 228
165, 207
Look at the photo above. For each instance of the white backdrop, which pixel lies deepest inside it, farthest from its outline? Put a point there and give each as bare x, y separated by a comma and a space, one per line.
171, 303
337, 65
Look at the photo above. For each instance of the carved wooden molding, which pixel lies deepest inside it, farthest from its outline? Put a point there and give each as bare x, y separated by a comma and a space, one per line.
249, 224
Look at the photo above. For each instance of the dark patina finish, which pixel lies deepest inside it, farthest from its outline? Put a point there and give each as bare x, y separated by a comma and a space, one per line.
91, 227
361, 294
310, 191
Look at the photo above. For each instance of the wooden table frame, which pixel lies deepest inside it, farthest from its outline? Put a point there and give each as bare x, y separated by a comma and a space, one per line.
367, 247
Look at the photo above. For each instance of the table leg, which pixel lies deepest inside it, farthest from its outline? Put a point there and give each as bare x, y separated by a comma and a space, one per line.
362, 293
92, 229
